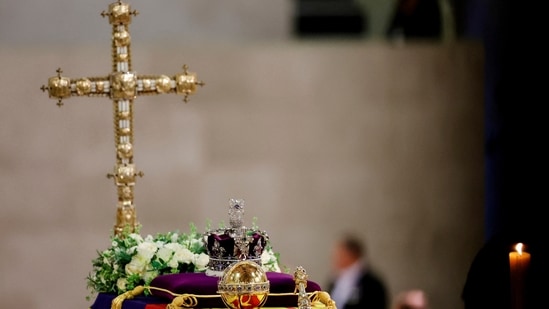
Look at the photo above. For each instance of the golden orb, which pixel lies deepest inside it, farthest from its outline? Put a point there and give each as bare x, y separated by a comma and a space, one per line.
244, 285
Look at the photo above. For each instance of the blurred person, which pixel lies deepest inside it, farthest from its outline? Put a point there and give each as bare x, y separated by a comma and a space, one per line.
353, 283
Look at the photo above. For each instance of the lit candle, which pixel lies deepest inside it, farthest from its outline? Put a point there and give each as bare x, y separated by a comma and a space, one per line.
518, 262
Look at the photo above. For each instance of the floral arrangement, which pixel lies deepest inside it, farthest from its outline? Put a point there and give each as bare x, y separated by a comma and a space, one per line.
133, 260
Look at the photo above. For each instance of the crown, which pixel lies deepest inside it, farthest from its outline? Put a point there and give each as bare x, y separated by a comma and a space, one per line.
226, 246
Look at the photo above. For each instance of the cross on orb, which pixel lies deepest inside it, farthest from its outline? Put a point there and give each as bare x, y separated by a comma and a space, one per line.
122, 86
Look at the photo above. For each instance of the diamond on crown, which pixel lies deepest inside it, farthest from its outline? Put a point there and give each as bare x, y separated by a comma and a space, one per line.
226, 246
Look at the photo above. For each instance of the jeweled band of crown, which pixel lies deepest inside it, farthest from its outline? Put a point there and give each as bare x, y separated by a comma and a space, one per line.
226, 246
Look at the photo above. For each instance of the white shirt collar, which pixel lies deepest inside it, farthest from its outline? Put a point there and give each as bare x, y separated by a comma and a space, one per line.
345, 284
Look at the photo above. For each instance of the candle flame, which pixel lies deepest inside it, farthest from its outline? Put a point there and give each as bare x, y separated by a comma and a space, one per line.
518, 247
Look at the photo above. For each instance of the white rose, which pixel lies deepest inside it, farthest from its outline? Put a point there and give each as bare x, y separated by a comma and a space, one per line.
265, 257
136, 266
269, 261
121, 283
134, 269
174, 246
201, 261
165, 254
159, 244
173, 263
146, 250
183, 255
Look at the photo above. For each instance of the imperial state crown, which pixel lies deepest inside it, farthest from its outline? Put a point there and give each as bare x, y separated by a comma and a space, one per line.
237, 242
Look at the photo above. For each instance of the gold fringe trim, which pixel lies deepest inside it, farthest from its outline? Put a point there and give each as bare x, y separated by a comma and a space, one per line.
182, 300
117, 302
324, 298
191, 300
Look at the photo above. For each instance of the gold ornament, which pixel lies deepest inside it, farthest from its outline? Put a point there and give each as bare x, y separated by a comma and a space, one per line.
99, 86
83, 86
122, 38
244, 285
125, 150
163, 84
122, 86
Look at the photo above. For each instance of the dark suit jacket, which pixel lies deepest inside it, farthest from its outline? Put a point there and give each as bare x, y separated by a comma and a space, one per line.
370, 293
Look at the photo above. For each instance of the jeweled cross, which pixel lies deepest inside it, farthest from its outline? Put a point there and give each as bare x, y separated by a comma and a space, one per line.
122, 86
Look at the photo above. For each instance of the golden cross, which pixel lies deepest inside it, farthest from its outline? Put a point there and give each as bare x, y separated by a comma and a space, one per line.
122, 86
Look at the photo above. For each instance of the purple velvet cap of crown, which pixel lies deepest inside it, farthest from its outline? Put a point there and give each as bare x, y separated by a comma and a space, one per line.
221, 246
201, 284
227, 242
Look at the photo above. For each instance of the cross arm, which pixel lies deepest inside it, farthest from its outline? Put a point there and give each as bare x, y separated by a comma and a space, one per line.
182, 83
61, 87
122, 85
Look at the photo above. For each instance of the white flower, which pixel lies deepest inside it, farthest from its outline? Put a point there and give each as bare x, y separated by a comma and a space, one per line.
197, 242
146, 250
174, 237
148, 276
183, 255
174, 246
269, 261
136, 237
173, 263
164, 253
121, 283
265, 257
201, 261
137, 265
151, 256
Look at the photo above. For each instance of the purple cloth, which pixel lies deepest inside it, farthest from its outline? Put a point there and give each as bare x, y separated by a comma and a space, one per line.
202, 284
104, 301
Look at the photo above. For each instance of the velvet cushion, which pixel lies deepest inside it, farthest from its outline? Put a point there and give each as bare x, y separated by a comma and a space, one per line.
201, 284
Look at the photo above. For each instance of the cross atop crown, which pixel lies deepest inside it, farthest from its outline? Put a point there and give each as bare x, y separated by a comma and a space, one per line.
236, 213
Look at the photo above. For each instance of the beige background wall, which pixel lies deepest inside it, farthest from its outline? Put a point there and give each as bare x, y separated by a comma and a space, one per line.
317, 136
